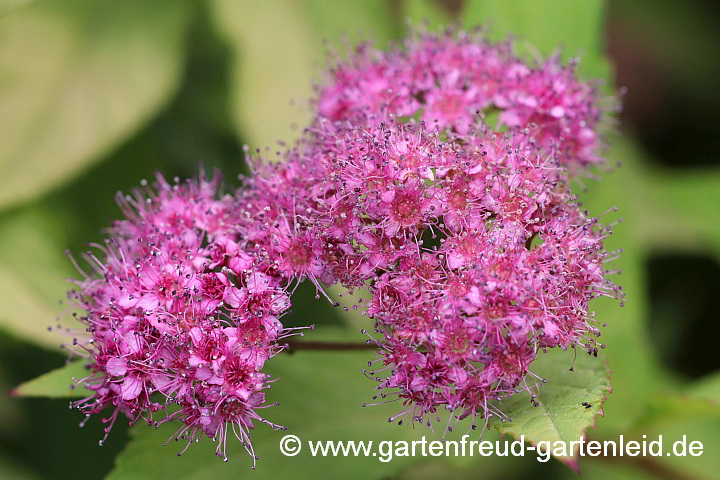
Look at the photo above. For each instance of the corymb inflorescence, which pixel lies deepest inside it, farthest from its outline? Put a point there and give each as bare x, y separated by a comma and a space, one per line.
181, 320
436, 175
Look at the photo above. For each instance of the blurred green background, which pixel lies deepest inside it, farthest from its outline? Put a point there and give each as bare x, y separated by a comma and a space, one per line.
96, 95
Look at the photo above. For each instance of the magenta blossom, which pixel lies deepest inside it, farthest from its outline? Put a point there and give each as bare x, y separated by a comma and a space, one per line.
178, 314
450, 79
476, 254
474, 249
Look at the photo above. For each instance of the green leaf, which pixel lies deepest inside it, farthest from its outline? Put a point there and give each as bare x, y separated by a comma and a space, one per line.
9, 5
363, 20
671, 406
630, 354
77, 78
665, 210
269, 69
678, 217
277, 51
33, 270
690, 415
432, 11
560, 415
58, 383
699, 400
320, 395
693, 428
662, 211
576, 26
707, 387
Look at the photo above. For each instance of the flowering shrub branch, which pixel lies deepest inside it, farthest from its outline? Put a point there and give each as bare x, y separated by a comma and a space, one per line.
476, 253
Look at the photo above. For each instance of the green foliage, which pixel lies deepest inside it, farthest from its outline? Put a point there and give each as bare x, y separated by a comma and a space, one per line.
58, 383
540, 27
272, 71
320, 395
77, 78
560, 413
89, 105
32, 273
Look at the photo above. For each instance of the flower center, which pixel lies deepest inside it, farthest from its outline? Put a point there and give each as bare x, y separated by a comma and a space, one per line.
458, 200
299, 256
459, 342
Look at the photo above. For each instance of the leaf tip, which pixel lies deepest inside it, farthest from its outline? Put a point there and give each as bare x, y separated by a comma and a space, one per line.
573, 463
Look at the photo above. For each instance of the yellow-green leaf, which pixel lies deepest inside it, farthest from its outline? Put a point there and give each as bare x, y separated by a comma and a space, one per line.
33, 271
76, 78
278, 51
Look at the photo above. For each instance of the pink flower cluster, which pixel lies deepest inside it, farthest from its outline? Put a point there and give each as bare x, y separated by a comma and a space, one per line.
450, 79
180, 315
475, 252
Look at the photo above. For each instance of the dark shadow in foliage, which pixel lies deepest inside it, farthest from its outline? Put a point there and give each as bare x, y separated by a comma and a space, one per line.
673, 96
684, 290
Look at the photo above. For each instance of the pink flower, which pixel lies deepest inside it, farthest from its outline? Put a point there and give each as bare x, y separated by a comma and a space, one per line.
442, 232
473, 248
174, 306
450, 78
